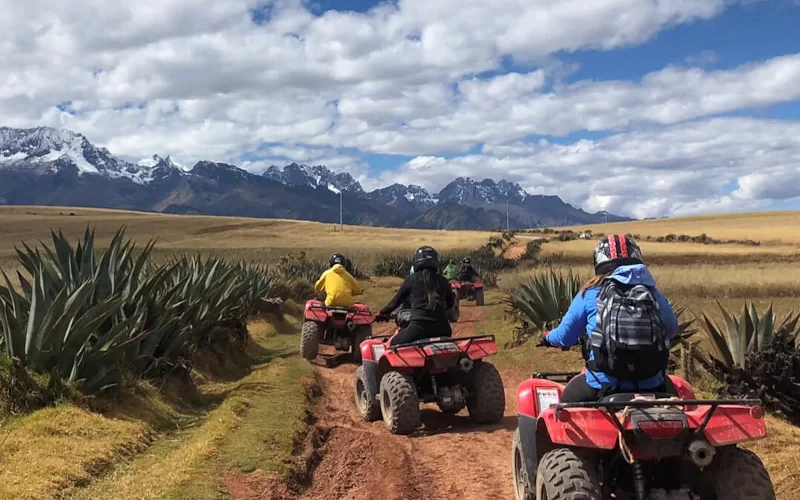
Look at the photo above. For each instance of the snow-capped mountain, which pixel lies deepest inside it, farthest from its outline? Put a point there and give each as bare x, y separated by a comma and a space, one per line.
314, 176
413, 194
52, 150
45, 166
466, 190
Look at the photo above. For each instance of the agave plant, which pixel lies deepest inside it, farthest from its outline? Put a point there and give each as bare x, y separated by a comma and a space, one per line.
746, 333
89, 316
540, 303
756, 355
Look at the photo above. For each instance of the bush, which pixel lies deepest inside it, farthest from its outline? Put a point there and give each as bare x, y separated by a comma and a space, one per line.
532, 250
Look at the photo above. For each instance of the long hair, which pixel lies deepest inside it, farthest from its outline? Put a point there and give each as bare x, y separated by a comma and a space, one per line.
431, 287
593, 282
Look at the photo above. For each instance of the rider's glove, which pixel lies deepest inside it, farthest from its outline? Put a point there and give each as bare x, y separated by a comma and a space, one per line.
543, 342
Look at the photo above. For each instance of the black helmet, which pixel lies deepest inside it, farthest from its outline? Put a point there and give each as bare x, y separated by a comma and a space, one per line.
465, 260
615, 250
426, 257
337, 258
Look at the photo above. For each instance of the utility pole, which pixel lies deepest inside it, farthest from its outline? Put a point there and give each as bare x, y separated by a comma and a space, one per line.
508, 228
605, 212
341, 212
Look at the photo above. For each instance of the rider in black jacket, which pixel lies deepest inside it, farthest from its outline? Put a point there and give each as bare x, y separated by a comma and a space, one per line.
467, 272
430, 297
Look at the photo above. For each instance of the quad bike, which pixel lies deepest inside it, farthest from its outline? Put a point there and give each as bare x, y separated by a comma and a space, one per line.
635, 446
468, 290
341, 327
392, 381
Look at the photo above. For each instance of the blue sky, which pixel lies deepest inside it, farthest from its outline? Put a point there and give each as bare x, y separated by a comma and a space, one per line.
644, 108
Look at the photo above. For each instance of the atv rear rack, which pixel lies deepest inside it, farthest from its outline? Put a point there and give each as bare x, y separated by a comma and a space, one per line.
555, 375
608, 405
436, 340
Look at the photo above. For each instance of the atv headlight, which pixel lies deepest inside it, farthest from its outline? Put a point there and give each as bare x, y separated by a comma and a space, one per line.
545, 398
377, 350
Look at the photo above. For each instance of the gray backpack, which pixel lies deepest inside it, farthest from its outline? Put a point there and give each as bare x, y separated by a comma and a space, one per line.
629, 340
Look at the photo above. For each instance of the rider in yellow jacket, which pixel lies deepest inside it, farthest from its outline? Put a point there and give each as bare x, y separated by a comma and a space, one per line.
338, 285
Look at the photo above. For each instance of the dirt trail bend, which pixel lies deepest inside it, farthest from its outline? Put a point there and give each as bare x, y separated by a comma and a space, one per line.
449, 457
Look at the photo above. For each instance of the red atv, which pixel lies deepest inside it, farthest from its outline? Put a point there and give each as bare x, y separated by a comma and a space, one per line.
636, 446
342, 327
392, 381
468, 290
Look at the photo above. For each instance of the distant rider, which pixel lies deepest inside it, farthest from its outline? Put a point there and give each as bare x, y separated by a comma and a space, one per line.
450, 272
643, 319
430, 297
337, 284
467, 272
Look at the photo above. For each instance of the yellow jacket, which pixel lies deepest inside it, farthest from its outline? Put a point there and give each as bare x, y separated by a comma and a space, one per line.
339, 287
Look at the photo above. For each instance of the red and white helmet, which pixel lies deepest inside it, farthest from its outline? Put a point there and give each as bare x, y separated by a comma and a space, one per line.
615, 250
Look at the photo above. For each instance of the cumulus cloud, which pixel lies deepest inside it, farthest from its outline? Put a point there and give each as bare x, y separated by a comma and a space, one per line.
681, 169
256, 82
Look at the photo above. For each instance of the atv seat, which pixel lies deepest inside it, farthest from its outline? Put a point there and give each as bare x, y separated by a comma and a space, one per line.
623, 397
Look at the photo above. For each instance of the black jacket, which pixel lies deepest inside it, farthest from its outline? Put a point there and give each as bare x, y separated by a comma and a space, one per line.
412, 292
466, 273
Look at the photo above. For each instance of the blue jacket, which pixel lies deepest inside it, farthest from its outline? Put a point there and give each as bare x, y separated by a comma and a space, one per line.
580, 318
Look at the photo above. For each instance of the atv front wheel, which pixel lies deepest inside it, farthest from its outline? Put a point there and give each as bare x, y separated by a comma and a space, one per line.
479, 300
360, 334
309, 340
564, 474
399, 403
487, 400
738, 474
368, 405
523, 489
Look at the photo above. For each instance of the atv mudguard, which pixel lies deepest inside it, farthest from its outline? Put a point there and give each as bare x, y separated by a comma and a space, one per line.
371, 377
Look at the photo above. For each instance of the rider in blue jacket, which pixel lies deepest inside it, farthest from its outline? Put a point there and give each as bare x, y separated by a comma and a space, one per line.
617, 257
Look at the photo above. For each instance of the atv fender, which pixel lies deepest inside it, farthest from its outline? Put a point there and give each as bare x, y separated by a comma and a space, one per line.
371, 378
685, 390
367, 351
526, 395
528, 442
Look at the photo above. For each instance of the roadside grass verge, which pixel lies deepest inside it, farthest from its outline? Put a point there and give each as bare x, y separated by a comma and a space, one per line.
155, 444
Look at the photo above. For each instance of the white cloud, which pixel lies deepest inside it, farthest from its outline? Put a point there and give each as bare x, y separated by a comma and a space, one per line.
682, 169
200, 80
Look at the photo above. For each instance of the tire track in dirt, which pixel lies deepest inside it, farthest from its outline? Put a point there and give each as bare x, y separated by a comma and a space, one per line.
449, 457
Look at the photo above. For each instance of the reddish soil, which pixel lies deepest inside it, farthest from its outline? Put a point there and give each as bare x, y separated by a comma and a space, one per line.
448, 457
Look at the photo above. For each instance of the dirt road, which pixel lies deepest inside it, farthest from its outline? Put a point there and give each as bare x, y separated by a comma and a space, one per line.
447, 458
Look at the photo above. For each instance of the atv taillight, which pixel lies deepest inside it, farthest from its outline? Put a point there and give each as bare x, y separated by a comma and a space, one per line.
757, 412
661, 429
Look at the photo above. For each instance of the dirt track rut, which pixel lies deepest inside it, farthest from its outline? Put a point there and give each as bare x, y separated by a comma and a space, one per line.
449, 457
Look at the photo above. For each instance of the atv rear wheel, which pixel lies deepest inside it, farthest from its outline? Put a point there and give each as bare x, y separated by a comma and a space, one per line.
564, 474
487, 400
309, 340
399, 403
738, 474
368, 405
523, 489
479, 300
361, 333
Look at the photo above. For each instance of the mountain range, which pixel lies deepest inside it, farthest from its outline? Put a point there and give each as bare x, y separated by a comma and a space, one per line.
46, 166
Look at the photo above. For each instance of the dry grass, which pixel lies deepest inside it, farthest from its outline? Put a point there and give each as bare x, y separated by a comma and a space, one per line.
763, 226
221, 233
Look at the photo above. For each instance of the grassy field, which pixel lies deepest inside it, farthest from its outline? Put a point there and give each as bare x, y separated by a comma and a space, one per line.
768, 227
183, 450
